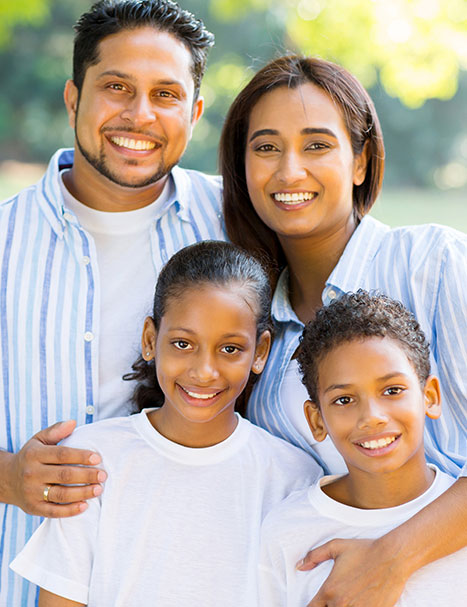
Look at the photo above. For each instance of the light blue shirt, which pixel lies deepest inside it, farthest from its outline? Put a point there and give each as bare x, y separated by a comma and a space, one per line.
424, 267
49, 318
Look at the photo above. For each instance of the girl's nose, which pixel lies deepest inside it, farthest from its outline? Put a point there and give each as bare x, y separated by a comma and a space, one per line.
204, 369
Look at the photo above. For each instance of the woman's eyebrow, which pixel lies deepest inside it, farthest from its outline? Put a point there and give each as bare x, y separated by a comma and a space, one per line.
263, 132
306, 131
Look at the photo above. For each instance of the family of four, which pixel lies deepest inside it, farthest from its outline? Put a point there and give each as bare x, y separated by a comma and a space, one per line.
342, 341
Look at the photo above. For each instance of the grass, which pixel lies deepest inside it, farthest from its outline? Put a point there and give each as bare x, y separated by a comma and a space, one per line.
394, 207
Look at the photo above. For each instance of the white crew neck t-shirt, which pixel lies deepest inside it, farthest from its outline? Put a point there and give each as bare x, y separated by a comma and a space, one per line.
127, 278
174, 526
309, 518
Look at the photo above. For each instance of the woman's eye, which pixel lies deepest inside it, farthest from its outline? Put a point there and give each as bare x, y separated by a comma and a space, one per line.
230, 349
318, 146
266, 147
393, 390
181, 344
342, 400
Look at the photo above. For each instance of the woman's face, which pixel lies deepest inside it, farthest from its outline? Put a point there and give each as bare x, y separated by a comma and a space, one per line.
299, 164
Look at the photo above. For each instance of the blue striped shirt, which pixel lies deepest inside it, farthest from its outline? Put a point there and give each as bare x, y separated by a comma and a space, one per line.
49, 318
424, 267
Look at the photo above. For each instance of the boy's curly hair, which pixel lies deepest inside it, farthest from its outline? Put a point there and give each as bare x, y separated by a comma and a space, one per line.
356, 316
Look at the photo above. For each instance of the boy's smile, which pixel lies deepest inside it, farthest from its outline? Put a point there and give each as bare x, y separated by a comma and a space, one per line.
373, 407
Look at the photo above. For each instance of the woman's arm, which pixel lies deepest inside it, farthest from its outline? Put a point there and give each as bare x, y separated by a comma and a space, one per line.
47, 599
374, 572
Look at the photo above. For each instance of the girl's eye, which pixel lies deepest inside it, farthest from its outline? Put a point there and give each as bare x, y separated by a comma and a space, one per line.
181, 344
342, 400
393, 391
230, 349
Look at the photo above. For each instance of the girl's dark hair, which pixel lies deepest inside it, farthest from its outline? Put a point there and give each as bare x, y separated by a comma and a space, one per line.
357, 316
205, 263
109, 17
244, 227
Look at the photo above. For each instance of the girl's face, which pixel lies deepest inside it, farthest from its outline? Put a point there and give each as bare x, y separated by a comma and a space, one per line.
300, 168
204, 350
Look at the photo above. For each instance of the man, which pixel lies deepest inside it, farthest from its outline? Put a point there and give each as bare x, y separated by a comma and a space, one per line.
80, 253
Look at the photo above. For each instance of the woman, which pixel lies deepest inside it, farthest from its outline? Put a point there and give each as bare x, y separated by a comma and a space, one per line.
302, 158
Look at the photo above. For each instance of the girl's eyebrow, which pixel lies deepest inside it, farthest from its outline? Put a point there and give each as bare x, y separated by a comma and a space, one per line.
306, 131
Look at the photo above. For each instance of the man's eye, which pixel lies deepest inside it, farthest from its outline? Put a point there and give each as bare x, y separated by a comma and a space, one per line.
116, 86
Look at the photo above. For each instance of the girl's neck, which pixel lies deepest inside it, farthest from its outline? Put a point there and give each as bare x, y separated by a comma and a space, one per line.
179, 430
311, 260
381, 490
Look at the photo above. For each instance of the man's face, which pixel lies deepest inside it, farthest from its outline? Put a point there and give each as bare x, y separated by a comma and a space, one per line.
134, 115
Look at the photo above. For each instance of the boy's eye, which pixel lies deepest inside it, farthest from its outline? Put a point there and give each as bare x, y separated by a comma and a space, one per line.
230, 349
393, 391
181, 344
342, 400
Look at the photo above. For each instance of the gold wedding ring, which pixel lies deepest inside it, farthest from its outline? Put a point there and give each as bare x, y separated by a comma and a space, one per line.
46, 493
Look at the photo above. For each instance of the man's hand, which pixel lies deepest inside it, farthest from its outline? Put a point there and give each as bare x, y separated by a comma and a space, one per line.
364, 574
37, 478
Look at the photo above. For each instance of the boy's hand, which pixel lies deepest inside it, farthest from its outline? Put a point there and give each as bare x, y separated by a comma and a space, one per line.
364, 573
39, 475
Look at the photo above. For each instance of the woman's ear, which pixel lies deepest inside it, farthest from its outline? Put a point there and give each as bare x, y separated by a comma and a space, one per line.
432, 396
315, 421
148, 339
360, 164
261, 352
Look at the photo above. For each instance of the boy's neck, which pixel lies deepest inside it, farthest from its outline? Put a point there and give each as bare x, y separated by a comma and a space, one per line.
190, 434
384, 490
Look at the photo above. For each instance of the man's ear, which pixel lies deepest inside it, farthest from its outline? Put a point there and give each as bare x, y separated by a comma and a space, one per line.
70, 96
432, 396
197, 111
315, 421
360, 165
261, 352
148, 339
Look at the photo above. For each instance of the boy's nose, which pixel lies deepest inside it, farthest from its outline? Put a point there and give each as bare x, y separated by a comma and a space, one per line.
372, 414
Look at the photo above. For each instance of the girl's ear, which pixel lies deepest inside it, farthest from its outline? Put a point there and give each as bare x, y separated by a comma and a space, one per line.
261, 352
432, 395
148, 339
315, 421
360, 165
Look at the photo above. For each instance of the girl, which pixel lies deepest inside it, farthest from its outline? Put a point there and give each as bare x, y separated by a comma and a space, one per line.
189, 480
302, 158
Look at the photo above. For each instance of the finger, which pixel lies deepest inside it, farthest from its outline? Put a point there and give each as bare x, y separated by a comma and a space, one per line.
67, 455
50, 510
70, 475
316, 556
54, 434
59, 494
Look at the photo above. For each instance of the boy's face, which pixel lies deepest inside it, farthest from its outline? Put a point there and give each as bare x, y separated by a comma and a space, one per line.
372, 406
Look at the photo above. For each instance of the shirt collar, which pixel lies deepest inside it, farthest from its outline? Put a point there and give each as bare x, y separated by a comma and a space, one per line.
281, 308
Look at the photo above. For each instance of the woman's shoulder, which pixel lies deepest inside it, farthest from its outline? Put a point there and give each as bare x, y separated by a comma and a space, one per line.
433, 233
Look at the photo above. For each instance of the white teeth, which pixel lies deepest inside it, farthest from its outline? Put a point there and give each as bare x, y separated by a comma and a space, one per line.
133, 144
200, 396
295, 198
378, 444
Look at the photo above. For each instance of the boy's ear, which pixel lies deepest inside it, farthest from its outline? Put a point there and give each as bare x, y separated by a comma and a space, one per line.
315, 421
261, 352
432, 395
148, 339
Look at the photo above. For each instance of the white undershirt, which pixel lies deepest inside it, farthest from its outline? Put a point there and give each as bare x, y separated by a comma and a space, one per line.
293, 395
127, 278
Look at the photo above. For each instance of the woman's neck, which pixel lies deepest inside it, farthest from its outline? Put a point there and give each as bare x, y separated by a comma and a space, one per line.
311, 260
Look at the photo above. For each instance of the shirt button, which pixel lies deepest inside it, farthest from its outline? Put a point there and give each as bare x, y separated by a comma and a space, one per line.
68, 216
90, 410
88, 336
86, 260
332, 294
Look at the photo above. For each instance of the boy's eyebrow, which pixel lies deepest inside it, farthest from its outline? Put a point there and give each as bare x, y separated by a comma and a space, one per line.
382, 378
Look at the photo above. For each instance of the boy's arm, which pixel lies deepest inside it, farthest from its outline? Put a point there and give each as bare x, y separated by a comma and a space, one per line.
374, 572
47, 599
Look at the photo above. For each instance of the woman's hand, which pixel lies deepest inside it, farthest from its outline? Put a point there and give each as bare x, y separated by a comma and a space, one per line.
365, 573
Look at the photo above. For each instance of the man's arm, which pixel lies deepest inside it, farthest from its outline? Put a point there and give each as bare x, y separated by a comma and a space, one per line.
24, 476
374, 572
47, 599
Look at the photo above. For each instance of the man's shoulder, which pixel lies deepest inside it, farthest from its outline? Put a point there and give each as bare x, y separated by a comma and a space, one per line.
195, 185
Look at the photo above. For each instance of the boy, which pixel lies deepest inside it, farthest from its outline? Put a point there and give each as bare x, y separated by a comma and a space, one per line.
365, 364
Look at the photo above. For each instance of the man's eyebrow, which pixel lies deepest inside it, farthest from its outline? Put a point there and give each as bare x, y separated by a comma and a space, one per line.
124, 76
305, 131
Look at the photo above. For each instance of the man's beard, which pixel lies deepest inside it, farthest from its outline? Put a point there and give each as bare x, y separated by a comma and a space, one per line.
99, 163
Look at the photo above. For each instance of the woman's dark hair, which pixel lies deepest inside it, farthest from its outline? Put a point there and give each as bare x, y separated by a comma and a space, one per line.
205, 263
244, 227
357, 316
109, 17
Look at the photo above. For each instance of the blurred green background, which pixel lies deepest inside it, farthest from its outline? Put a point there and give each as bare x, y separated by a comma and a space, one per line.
410, 54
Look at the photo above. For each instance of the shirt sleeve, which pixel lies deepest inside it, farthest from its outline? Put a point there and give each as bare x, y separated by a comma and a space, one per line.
450, 349
59, 555
271, 578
